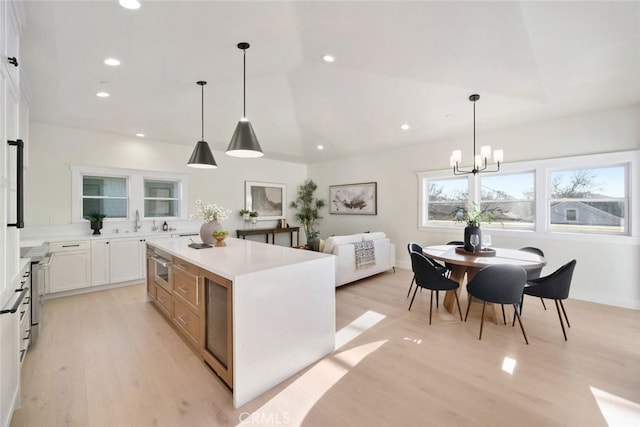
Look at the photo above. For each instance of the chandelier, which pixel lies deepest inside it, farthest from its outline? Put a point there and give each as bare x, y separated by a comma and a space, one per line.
480, 161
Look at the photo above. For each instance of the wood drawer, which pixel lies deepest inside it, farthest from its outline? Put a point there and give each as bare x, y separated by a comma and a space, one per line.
151, 290
185, 266
163, 299
185, 286
187, 321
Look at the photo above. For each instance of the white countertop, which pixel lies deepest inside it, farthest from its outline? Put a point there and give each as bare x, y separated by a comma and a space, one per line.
124, 235
238, 257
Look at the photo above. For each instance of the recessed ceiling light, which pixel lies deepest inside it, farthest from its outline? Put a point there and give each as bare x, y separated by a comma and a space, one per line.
140, 135
102, 94
112, 61
328, 58
130, 4
448, 116
320, 147
405, 127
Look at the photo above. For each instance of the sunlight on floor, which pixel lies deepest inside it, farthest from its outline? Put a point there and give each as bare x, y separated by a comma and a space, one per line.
616, 410
292, 404
508, 365
358, 326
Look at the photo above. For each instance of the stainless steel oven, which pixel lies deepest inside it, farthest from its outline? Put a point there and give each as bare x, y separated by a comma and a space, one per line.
160, 265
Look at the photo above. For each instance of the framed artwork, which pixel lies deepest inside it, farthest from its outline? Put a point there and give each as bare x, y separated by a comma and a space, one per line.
354, 199
268, 199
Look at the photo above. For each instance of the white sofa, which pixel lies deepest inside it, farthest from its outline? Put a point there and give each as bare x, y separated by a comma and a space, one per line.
343, 248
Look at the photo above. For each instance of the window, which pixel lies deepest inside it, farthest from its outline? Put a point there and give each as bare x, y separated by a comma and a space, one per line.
161, 198
512, 196
120, 193
445, 197
589, 199
105, 195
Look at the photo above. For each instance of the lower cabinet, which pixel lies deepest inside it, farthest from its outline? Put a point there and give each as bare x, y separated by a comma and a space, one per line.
126, 259
71, 266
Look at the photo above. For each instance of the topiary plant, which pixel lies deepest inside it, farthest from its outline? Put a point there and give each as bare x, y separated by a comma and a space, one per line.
308, 207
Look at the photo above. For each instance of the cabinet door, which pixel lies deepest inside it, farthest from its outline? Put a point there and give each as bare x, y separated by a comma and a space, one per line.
127, 259
70, 270
100, 262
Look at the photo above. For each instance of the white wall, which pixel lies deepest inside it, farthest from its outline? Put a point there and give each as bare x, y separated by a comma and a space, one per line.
53, 148
606, 272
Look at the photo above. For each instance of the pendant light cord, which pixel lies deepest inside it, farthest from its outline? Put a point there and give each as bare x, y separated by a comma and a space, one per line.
244, 83
474, 134
202, 112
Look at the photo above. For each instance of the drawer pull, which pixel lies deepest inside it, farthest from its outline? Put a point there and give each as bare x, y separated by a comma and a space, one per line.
184, 322
71, 246
183, 290
22, 314
13, 60
161, 301
22, 353
28, 335
27, 300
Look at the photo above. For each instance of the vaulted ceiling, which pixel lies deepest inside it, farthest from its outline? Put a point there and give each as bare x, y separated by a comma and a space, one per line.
396, 62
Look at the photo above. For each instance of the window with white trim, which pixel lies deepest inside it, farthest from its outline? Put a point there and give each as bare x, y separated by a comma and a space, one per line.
593, 200
104, 195
444, 198
512, 197
161, 198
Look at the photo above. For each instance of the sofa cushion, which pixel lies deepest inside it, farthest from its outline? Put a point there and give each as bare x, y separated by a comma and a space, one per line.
334, 241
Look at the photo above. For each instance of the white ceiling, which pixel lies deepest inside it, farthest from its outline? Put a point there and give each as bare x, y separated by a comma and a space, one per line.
397, 62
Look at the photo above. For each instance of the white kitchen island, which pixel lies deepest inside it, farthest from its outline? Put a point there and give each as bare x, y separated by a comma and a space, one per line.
282, 307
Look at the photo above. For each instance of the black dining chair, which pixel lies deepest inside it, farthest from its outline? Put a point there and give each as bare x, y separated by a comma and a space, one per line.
534, 273
429, 277
555, 286
498, 284
448, 266
414, 247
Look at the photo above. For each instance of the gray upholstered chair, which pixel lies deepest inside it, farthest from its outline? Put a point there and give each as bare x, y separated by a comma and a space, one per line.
534, 272
498, 284
429, 277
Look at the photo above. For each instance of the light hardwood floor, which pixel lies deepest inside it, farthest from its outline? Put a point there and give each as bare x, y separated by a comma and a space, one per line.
109, 359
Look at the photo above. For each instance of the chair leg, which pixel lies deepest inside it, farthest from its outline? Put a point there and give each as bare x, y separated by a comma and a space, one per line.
468, 306
515, 313
504, 318
437, 299
560, 317
458, 302
430, 306
414, 297
411, 285
564, 312
482, 320
542, 301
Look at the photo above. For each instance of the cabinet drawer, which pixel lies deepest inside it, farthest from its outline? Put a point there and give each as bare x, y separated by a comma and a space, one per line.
185, 286
151, 290
187, 321
184, 265
69, 246
163, 299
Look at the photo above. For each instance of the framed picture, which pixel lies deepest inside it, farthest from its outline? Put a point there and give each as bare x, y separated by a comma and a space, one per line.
354, 199
268, 199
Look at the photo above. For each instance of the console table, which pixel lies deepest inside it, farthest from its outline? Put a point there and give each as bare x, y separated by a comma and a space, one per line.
271, 232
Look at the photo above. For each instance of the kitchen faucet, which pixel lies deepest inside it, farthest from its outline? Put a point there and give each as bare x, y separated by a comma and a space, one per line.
136, 225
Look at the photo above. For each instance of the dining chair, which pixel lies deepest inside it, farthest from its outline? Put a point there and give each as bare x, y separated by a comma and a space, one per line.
534, 273
555, 286
498, 284
414, 247
429, 277
448, 266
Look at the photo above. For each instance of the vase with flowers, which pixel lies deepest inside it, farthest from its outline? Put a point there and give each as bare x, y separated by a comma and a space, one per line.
473, 217
212, 214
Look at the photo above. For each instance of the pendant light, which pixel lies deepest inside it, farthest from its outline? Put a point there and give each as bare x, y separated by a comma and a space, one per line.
202, 156
244, 142
480, 162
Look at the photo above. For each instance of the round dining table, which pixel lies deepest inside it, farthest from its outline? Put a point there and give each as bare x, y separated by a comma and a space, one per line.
466, 263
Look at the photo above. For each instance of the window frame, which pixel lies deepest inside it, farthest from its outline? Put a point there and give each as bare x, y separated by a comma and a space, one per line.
543, 170
135, 190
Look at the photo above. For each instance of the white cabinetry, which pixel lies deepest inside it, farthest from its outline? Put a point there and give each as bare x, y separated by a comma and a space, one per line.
100, 261
127, 258
71, 266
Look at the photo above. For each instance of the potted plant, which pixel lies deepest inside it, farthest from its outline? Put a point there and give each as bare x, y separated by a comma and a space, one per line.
308, 210
244, 213
473, 217
254, 217
96, 221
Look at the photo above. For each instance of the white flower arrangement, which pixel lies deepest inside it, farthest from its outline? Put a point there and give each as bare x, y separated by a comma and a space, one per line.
210, 212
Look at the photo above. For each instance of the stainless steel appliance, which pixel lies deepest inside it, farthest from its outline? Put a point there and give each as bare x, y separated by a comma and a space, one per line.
160, 265
40, 262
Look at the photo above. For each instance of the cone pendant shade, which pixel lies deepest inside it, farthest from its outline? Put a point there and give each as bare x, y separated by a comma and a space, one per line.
202, 157
244, 142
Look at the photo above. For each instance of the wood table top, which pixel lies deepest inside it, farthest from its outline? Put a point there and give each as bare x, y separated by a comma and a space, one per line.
448, 254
